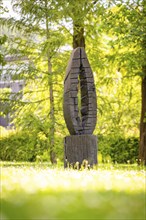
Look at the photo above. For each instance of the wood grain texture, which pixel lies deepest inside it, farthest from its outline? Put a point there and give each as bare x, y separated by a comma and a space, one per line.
79, 119
79, 148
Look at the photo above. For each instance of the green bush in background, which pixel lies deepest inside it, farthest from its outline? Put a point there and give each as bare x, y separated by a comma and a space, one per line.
34, 146
124, 150
22, 146
118, 149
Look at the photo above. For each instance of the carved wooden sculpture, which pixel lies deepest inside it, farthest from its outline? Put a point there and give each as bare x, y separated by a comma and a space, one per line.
80, 110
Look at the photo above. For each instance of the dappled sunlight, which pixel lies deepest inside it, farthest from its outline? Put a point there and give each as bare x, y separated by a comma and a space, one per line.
33, 179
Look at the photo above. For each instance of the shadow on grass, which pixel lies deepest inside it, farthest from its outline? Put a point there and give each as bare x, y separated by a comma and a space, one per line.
73, 205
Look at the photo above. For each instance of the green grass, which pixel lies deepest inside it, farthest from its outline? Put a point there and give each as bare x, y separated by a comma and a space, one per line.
40, 192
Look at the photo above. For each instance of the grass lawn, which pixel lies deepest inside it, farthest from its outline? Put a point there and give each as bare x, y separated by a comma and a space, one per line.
38, 191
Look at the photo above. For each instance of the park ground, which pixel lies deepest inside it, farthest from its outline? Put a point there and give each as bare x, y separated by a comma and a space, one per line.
38, 191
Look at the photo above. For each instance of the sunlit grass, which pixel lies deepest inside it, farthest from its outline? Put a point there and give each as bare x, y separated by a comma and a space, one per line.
34, 191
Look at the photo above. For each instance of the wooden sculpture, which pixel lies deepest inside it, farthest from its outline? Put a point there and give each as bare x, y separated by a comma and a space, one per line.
80, 110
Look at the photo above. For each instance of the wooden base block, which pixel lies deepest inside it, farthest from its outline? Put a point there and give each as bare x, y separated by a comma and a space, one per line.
80, 148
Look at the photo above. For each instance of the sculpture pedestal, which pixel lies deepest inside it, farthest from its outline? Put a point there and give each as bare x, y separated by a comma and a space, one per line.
78, 148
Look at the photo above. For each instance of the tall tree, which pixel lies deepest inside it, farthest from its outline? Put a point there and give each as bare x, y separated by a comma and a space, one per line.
40, 45
142, 144
79, 11
78, 26
125, 20
114, 57
49, 64
2, 36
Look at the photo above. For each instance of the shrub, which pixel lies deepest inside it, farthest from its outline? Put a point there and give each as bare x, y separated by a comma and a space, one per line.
21, 146
124, 150
120, 149
27, 146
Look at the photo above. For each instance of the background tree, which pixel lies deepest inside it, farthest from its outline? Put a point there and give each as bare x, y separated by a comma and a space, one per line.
115, 55
142, 144
40, 43
3, 37
125, 24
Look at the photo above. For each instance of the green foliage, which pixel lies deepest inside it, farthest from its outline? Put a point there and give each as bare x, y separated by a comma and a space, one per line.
2, 41
118, 149
34, 146
6, 104
124, 150
23, 146
43, 34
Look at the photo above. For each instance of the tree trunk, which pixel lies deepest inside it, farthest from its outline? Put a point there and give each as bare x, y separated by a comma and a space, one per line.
78, 34
52, 116
142, 144
50, 82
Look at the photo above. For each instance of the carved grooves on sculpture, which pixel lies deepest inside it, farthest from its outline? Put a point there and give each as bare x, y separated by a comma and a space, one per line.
79, 74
